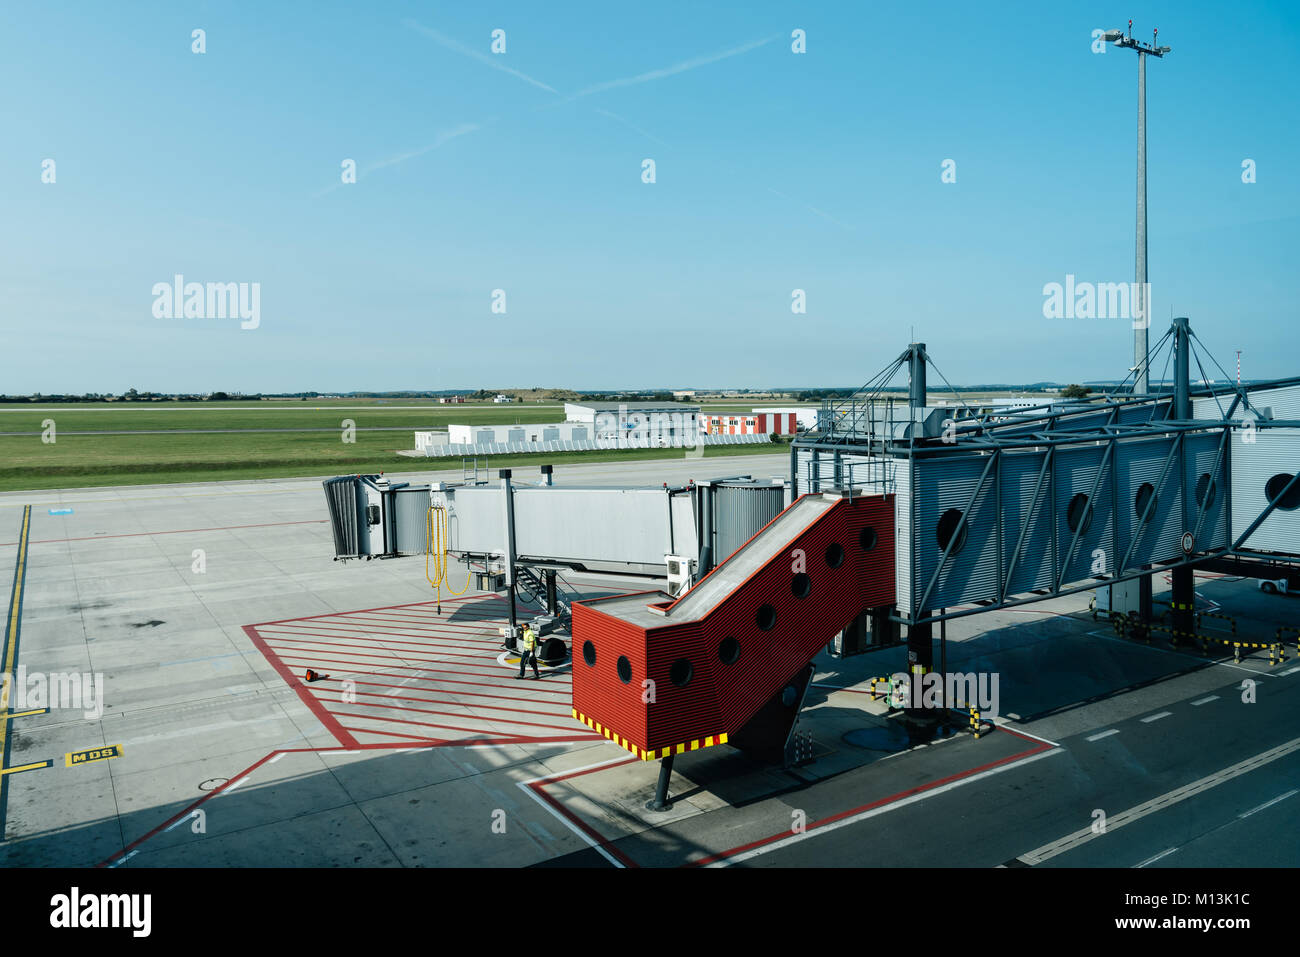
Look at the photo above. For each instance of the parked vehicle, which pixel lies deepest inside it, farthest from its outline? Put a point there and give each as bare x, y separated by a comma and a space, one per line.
1279, 586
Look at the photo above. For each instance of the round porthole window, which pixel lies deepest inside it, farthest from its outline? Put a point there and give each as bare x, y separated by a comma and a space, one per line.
766, 618
624, 669
867, 539
589, 653
1205, 490
1078, 514
680, 673
1273, 488
729, 651
951, 528
801, 585
1146, 495
834, 555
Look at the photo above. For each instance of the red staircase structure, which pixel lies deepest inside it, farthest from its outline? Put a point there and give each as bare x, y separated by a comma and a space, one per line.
662, 676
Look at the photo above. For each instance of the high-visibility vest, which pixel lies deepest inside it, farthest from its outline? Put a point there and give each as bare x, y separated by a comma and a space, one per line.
530, 640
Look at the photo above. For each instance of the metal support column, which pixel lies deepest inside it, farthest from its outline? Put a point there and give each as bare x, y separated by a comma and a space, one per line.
920, 658
508, 493
552, 600
1183, 593
706, 511
661, 802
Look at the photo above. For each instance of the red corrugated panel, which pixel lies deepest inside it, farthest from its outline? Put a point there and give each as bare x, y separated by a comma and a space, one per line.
720, 697
597, 691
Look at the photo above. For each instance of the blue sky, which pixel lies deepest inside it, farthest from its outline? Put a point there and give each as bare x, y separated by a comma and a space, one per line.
522, 171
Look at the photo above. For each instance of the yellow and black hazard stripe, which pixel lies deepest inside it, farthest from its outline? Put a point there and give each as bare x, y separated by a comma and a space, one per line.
650, 755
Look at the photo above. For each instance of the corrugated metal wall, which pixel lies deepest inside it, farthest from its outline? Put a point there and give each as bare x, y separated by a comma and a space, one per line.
410, 524
1274, 452
1020, 482
1200, 454
347, 511
1143, 463
1076, 472
740, 511
972, 572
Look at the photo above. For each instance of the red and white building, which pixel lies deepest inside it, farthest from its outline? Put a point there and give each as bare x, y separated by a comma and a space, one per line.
756, 423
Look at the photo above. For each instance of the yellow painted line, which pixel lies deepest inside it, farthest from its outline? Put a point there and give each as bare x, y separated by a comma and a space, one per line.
25, 714
11, 627
27, 767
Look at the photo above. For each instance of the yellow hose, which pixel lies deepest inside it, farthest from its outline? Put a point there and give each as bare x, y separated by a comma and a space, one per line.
436, 549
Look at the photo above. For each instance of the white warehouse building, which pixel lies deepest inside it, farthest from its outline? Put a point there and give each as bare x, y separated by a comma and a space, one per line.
476, 434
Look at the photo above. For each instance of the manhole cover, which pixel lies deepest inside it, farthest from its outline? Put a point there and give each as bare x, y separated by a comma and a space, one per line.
211, 784
890, 737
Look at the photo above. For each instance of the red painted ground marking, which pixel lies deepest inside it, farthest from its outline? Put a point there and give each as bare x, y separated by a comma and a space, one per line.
430, 656
539, 788
406, 662
481, 635
446, 714
451, 704
452, 681
396, 664
398, 653
319, 710
413, 686
721, 855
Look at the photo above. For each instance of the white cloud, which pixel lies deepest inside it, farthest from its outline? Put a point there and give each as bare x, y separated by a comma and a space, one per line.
673, 70
493, 61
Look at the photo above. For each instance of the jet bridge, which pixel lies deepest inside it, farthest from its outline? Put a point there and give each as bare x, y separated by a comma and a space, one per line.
594, 528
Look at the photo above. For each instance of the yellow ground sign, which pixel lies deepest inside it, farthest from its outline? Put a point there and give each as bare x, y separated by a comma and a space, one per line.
93, 754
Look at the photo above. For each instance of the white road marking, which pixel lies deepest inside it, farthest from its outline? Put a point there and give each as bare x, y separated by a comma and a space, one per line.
1028, 734
124, 859
393, 691
231, 787
884, 809
1280, 797
1152, 860
1289, 671
178, 823
1160, 803
1156, 717
1103, 734
523, 785
1197, 704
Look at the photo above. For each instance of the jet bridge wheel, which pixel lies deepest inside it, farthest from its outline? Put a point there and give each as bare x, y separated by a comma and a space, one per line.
553, 651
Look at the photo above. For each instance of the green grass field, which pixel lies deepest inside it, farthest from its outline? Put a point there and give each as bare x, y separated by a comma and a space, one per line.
78, 461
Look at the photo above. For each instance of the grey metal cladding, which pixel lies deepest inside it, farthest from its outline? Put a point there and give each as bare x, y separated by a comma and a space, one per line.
970, 574
1077, 472
1142, 462
1273, 452
904, 550
1137, 414
1020, 481
740, 511
411, 522
1284, 401
1201, 453
346, 504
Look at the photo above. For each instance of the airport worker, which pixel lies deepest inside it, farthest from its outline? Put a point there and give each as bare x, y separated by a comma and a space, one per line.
529, 652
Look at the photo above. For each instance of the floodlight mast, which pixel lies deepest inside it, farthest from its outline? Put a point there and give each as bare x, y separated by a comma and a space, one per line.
1141, 303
